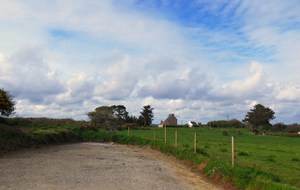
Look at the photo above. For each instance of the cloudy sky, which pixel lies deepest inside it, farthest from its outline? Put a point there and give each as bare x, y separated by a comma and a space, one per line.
200, 59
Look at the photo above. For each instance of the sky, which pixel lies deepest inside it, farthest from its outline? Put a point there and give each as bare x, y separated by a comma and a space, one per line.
202, 60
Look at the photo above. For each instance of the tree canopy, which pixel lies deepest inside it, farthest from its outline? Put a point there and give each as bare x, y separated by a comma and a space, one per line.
7, 104
120, 113
259, 117
226, 123
109, 117
147, 115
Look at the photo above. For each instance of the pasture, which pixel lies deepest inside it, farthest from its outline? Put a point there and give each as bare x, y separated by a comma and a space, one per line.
272, 154
261, 162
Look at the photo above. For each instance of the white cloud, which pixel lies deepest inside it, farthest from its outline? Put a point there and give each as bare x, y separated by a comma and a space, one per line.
119, 79
59, 56
2, 58
184, 83
276, 27
252, 86
79, 89
290, 92
28, 76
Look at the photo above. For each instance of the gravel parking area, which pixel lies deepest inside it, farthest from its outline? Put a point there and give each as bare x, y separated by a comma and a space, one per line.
94, 166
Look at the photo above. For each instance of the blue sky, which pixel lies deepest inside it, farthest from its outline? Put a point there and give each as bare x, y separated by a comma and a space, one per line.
202, 60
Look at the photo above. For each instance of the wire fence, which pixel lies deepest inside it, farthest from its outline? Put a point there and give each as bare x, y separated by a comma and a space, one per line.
195, 138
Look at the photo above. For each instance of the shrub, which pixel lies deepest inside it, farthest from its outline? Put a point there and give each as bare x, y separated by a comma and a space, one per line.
240, 132
225, 133
295, 128
279, 126
223, 150
270, 158
202, 152
284, 134
295, 159
243, 153
11, 138
224, 123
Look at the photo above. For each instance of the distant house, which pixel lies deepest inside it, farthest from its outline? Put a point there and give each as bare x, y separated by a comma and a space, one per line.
170, 121
192, 124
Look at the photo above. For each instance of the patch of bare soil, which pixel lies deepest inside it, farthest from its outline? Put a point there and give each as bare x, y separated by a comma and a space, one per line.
94, 166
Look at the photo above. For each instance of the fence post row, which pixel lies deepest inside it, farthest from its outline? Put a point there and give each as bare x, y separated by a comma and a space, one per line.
195, 141
165, 134
232, 151
176, 139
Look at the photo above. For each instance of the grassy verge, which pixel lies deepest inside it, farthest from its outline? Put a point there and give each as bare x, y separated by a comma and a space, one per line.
241, 176
261, 160
271, 154
13, 138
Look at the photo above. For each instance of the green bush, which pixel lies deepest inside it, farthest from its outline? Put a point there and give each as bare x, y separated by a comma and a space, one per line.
12, 138
225, 133
53, 136
242, 153
270, 158
284, 134
295, 159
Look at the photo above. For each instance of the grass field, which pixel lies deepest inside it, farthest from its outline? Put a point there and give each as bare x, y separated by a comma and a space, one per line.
276, 155
262, 162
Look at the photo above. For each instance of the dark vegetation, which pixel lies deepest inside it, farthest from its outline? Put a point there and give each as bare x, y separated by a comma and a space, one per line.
16, 133
259, 118
7, 104
226, 124
116, 117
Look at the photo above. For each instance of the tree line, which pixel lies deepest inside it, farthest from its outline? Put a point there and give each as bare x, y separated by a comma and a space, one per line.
116, 116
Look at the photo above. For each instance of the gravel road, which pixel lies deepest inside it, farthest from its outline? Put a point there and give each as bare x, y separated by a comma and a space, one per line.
94, 166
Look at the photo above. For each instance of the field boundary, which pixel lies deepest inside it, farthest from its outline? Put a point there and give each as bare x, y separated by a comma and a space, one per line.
219, 171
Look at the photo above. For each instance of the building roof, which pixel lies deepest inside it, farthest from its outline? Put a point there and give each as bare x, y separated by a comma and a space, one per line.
171, 120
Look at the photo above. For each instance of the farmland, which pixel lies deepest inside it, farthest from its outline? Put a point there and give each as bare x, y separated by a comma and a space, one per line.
272, 154
261, 162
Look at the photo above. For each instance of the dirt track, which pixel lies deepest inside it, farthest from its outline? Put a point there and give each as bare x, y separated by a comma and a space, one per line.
95, 166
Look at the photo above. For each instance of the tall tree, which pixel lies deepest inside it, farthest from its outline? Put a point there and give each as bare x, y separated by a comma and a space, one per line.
103, 117
259, 117
147, 115
108, 117
7, 104
120, 113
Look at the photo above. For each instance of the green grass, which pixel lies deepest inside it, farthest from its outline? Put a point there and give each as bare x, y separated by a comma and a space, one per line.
262, 162
274, 155
13, 138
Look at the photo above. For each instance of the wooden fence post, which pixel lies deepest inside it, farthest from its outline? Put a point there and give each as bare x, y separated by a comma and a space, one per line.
176, 139
232, 151
195, 141
128, 132
165, 134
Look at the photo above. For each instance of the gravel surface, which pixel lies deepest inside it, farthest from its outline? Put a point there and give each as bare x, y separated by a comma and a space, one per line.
96, 166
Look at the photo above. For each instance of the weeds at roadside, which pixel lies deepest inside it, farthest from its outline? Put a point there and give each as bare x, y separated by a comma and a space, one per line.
295, 159
242, 153
270, 158
223, 150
